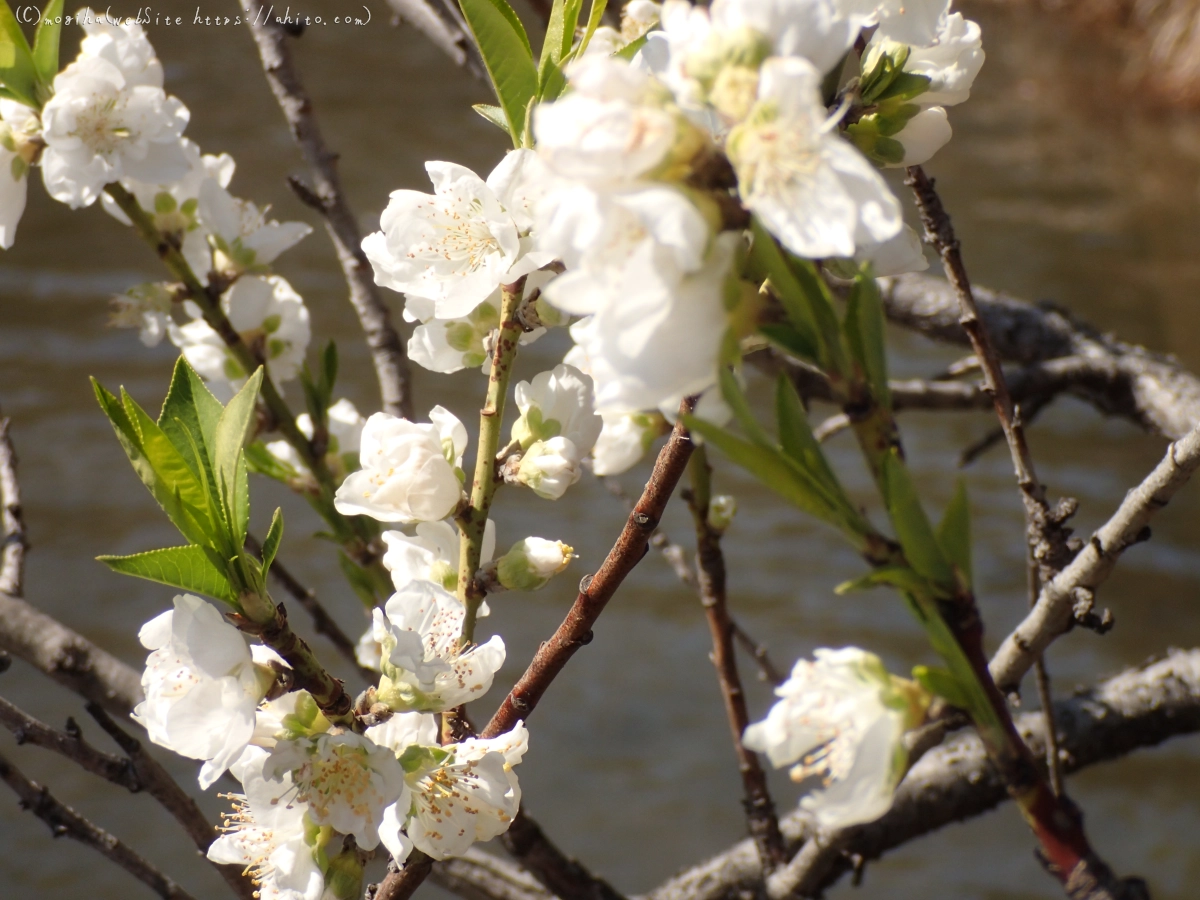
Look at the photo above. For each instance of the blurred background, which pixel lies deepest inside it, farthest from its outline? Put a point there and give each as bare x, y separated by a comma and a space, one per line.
1070, 179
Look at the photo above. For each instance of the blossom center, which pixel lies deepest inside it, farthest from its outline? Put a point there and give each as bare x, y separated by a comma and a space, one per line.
343, 777
99, 126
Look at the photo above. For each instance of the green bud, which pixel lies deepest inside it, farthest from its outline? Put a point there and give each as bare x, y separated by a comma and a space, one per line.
531, 563
343, 878
721, 510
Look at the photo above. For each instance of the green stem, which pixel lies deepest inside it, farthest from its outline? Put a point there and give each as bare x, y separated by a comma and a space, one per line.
356, 532
473, 519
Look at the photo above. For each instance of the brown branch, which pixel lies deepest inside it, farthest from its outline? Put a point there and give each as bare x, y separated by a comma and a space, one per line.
564, 877
12, 524
761, 820
576, 629
1138, 708
67, 657
328, 198
65, 822
323, 622
1075, 586
70, 743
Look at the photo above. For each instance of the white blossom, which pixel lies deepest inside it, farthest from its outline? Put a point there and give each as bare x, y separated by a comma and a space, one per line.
923, 135
345, 779
895, 256
266, 834
123, 43
465, 793
424, 667
638, 17
431, 554
272, 320
841, 720
201, 685
100, 127
19, 144
408, 469
240, 235
344, 425
557, 403
810, 188
624, 440
913, 22
529, 564
455, 246
146, 307
293, 715
951, 61
549, 467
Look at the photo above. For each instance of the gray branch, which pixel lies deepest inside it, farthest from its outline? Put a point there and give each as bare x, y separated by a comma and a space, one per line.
1139, 708
13, 542
481, 876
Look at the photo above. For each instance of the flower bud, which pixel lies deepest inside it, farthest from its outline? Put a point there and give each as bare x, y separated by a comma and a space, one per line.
343, 878
531, 563
548, 468
721, 510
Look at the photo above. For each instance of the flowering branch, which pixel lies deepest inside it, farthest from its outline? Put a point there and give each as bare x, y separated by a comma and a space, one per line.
710, 565
12, 525
65, 822
328, 198
1071, 592
473, 519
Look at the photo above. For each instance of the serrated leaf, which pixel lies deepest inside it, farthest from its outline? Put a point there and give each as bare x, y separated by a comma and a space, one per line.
45, 42
507, 56
262, 461
944, 684
864, 328
229, 437
731, 391
17, 71
629, 51
560, 33
595, 16
797, 440
773, 469
189, 417
954, 532
912, 527
187, 568
270, 544
493, 114
171, 467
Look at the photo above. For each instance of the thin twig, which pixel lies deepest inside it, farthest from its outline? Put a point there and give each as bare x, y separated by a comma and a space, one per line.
1047, 548
1071, 592
564, 877
65, 822
12, 524
69, 743
323, 622
480, 876
758, 652
576, 629
328, 198
761, 820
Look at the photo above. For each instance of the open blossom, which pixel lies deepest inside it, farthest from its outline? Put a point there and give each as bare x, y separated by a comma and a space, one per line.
408, 469
424, 668
624, 440
951, 61
894, 256
123, 44
549, 467
202, 685
345, 427
461, 793
913, 22
146, 307
266, 835
810, 188
558, 403
455, 246
271, 318
842, 720
431, 554
345, 779
104, 124
240, 234
19, 130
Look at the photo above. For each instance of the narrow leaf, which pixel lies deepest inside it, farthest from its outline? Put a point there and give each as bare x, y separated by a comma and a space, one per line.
493, 114
595, 16
629, 51
797, 440
359, 580
900, 577
954, 532
186, 568
911, 524
17, 70
507, 56
233, 427
731, 391
189, 417
560, 33
171, 466
270, 545
944, 684
45, 42
865, 335
791, 341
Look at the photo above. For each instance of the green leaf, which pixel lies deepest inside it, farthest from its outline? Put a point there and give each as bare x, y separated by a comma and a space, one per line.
45, 42
773, 469
189, 418
905, 86
595, 16
629, 51
944, 684
229, 460
270, 544
359, 580
17, 70
865, 335
507, 57
804, 296
954, 532
261, 461
188, 568
797, 440
900, 577
732, 393
790, 340
493, 114
913, 530
560, 33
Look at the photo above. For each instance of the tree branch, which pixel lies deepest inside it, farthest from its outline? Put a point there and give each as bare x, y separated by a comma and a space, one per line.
12, 524
1138, 708
328, 198
1055, 611
65, 822
481, 876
